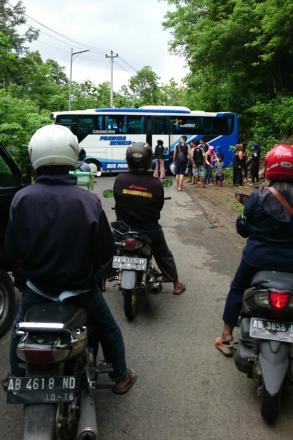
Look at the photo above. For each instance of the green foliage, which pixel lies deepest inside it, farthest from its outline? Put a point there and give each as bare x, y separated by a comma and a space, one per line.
274, 118
144, 87
19, 119
239, 53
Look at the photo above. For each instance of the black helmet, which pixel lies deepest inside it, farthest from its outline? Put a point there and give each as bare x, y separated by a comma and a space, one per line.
138, 156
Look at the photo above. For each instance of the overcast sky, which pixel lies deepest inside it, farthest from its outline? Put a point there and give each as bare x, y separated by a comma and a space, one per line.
131, 28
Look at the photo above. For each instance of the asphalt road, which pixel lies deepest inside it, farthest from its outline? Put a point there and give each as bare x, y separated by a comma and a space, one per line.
186, 390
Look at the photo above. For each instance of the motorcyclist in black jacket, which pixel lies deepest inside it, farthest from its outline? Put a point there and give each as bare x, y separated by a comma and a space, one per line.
268, 224
59, 236
139, 200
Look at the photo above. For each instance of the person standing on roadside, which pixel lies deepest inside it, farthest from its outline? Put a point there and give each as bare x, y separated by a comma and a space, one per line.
238, 167
198, 159
204, 145
180, 158
159, 156
254, 163
219, 167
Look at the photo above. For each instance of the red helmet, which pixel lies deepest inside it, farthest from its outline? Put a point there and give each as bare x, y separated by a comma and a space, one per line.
279, 163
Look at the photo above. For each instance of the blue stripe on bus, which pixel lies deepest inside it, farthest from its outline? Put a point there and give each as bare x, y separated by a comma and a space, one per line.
136, 110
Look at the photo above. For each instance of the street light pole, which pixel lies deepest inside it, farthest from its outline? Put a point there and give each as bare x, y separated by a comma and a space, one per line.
70, 74
112, 56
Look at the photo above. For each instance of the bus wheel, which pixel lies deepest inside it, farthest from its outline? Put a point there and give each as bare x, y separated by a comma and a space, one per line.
94, 162
95, 166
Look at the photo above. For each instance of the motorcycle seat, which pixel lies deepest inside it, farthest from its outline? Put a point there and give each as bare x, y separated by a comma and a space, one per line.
272, 279
72, 316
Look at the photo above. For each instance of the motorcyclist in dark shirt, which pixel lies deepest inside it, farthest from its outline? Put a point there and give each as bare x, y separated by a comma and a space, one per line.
268, 226
59, 236
139, 200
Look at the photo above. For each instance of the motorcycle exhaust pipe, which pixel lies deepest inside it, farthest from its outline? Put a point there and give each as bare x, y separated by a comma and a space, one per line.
87, 426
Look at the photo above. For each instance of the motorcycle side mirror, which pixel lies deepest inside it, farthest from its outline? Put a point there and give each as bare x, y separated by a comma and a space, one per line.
167, 183
108, 193
241, 198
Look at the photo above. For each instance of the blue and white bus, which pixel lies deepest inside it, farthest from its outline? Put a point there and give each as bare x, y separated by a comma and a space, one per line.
105, 133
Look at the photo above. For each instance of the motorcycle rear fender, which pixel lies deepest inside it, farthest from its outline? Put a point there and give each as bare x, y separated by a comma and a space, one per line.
128, 279
274, 362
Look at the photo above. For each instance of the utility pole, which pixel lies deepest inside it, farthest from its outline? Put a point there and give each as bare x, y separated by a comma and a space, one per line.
70, 75
112, 56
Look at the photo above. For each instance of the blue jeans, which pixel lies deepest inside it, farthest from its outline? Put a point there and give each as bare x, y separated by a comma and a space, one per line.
99, 319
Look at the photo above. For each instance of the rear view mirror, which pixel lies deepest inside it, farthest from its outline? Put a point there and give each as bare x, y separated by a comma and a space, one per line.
241, 198
167, 183
108, 193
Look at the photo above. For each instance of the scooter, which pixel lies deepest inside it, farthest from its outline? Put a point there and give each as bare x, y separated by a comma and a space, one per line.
135, 266
265, 348
59, 374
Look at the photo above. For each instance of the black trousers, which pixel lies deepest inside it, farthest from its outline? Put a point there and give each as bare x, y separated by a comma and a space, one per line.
162, 254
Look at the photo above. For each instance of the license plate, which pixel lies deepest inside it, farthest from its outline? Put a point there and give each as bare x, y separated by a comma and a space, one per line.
271, 330
129, 263
41, 389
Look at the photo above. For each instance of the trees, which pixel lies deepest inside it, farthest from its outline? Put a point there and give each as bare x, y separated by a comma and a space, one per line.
144, 87
238, 51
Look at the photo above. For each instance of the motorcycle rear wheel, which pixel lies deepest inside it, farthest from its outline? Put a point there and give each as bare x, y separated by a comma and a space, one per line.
130, 303
270, 405
39, 422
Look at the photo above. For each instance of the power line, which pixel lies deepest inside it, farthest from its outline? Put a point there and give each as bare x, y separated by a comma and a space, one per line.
129, 65
70, 41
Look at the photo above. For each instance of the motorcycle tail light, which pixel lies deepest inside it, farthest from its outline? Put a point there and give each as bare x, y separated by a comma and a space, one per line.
131, 244
42, 358
279, 299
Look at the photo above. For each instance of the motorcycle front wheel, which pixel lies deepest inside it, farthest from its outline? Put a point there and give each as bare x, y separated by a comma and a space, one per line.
270, 405
130, 303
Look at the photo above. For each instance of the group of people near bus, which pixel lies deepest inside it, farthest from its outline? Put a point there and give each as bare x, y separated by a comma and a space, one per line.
203, 165
196, 158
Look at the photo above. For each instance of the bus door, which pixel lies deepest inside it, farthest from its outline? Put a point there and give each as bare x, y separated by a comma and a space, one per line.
158, 129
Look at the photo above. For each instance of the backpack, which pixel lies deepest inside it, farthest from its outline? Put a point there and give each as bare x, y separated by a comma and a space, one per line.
180, 154
198, 156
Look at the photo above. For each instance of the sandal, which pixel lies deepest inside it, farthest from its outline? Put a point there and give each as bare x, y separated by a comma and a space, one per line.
180, 289
226, 348
132, 377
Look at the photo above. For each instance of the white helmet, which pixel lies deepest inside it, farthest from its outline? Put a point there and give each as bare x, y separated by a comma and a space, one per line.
53, 145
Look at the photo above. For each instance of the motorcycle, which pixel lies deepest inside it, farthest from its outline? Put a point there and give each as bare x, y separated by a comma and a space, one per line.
134, 263
135, 266
60, 374
265, 348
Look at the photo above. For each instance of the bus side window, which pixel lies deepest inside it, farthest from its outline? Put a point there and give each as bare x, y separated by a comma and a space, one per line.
134, 124
85, 126
115, 124
159, 125
185, 125
69, 121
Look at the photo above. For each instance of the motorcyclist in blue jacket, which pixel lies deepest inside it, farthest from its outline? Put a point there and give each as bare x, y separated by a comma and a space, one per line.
59, 236
268, 225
